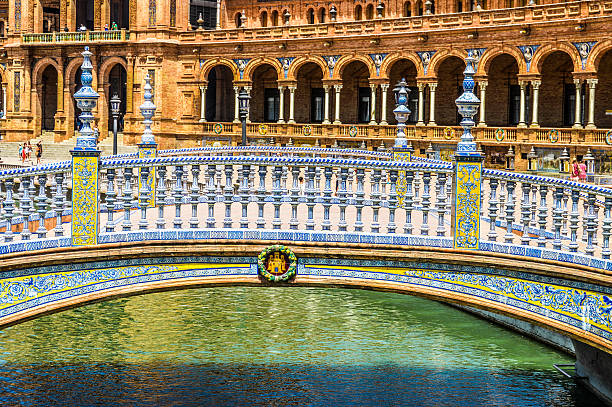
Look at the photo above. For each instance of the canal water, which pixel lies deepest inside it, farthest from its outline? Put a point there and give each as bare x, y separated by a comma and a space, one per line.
277, 346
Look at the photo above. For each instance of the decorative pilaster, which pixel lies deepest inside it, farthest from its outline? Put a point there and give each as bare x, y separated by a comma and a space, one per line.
147, 148
85, 165
468, 169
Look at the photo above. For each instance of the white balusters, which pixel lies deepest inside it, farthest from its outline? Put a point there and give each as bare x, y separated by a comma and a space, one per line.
41, 206
543, 214
606, 228
557, 217
343, 198
9, 210
591, 224
574, 220
277, 193
110, 200
211, 196
127, 199
359, 198
59, 203
228, 196
493, 208
26, 208
310, 196
525, 213
261, 197
441, 203
144, 194
425, 202
375, 196
178, 196
510, 205
243, 191
327, 199
295, 194
160, 193
391, 226
194, 196
409, 202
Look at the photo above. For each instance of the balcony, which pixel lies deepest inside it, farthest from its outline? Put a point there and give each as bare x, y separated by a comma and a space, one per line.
76, 37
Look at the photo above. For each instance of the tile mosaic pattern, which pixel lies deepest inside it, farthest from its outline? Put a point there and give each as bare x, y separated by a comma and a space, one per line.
148, 152
85, 210
467, 205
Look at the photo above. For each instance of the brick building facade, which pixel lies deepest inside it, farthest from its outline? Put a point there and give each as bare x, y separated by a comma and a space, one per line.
318, 72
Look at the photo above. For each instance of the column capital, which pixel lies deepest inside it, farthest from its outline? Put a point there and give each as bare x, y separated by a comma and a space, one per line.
373, 86
577, 81
421, 86
384, 86
483, 83
326, 87
432, 85
523, 84
281, 87
292, 88
536, 83
202, 88
338, 87
592, 82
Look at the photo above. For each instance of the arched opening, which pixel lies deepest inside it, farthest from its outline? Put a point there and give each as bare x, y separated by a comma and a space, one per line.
450, 86
1, 28
310, 16
120, 13
50, 16
265, 96
369, 14
358, 12
503, 108
220, 95
557, 92
238, 20
420, 8
322, 15
407, 9
117, 85
263, 19
433, 7
460, 6
85, 14
274, 18
310, 95
603, 91
356, 95
403, 68
382, 11
48, 98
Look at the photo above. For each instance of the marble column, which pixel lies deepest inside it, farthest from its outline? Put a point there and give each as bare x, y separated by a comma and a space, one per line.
383, 112
578, 116
591, 121
521, 123
432, 103
326, 106
535, 85
373, 104
482, 85
421, 87
218, 26
202, 103
281, 104
337, 89
236, 105
292, 104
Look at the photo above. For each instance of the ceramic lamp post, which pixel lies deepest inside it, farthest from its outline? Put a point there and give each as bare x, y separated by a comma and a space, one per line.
147, 148
85, 164
468, 169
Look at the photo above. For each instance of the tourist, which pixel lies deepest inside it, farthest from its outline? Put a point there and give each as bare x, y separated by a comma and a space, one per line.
582, 171
21, 152
106, 27
114, 27
39, 151
28, 151
82, 28
575, 171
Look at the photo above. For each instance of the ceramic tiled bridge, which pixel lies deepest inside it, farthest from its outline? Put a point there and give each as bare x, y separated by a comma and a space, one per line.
534, 248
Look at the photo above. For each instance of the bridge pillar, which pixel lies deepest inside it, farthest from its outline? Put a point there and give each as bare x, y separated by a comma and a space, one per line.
595, 367
147, 148
467, 189
85, 165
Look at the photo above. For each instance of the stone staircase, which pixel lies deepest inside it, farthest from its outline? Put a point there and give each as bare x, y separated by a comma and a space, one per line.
9, 151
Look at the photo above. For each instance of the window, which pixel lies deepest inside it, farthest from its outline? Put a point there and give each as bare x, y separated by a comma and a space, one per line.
311, 16
370, 12
459, 7
364, 105
263, 19
238, 20
208, 12
407, 9
420, 8
322, 15
358, 12
272, 104
275, 18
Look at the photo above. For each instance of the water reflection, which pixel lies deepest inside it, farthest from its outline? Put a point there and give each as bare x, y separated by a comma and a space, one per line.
276, 346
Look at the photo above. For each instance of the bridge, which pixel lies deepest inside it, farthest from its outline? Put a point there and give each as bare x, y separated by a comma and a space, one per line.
95, 228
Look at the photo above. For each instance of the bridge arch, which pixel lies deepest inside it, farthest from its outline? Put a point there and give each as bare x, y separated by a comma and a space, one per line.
547, 293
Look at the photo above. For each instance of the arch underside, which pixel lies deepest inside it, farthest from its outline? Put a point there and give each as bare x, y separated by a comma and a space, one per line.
577, 309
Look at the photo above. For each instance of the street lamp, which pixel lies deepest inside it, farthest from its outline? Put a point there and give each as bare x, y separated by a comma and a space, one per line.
401, 112
243, 103
115, 103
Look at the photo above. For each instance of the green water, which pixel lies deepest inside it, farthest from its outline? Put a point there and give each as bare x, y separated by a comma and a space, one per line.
277, 346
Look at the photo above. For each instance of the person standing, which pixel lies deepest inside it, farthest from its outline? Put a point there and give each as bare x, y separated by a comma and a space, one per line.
21, 152
29, 151
582, 171
575, 171
39, 151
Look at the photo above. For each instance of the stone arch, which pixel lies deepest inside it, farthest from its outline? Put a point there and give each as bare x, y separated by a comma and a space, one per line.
597, 53
40, 67
441, 56
300, 61
257, 62
71, 70
107, 66
490, 54
345, 60
542, 52
210, 64
391, 59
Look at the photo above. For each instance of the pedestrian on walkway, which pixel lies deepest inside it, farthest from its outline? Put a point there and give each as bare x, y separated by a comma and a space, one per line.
29, 151
24, 153
582, 171
575, 171
39, 151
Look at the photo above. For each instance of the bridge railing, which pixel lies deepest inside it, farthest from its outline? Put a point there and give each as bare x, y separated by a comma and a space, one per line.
520, 213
